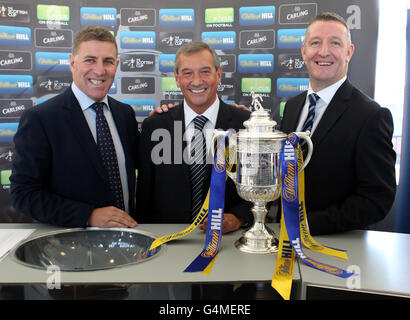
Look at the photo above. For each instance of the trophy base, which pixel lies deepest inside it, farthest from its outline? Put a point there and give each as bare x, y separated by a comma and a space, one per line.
258, 241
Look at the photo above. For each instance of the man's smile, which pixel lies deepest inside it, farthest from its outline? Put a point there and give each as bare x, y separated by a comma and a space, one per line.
96, 82
323, 63
198, 91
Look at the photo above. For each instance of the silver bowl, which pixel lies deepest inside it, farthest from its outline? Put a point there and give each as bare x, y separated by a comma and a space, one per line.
86, 249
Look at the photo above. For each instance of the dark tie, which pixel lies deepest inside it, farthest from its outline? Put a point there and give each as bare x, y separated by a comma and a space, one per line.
313, 98
198, 164
307, 126
108, 155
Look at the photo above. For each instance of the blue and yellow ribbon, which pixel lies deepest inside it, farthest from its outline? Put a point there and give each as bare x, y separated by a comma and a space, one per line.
202, 214
204, 261
293, 229
214, 203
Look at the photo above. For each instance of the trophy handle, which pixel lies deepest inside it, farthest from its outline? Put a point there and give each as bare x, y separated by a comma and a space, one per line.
217, 134
306, 136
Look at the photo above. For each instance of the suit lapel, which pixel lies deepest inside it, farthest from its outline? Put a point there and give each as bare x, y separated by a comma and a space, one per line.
334, 111
176, 125
120, 122
80, 129
337, 106
292, 113
224, 118
224, 121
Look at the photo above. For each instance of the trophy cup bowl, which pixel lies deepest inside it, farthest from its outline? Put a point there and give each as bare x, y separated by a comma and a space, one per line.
257, 150
257, 180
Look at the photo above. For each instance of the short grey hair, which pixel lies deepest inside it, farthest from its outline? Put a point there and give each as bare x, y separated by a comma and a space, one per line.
194, 47
331, 16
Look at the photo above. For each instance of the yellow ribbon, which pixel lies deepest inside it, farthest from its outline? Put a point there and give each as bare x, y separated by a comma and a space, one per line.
203, 212
283, 275
208, 269
307, 239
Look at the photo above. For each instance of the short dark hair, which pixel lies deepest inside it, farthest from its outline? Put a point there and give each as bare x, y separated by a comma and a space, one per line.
93, 33
331, 16
194, 47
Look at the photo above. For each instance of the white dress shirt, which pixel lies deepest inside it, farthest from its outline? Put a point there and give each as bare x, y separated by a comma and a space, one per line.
211, 114
326, 95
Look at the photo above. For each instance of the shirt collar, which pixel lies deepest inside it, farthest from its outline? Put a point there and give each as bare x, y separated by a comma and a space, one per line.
327, 94
211, 113
84, 100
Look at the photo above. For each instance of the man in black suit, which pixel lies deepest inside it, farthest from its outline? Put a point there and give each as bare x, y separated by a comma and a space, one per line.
58, 174
164, 180
350, 180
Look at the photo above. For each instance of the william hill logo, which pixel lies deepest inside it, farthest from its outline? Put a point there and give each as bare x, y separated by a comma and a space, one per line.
15, 36
176, 17
16, 84
289, 185
290, 87
137, 39
98, 16
52, 61
290, 38
255, 63
257, 16
225, 40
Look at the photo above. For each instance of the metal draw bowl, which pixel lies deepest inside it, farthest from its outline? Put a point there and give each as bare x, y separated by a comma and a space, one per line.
86, 249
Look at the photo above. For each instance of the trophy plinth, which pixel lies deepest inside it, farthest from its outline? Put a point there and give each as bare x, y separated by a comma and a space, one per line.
258, 149
260, 238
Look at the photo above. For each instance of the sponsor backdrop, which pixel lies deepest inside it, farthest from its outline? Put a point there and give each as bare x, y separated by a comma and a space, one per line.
258, 43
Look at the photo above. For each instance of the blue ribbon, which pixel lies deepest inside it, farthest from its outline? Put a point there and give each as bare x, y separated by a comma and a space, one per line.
290, 202
215, 212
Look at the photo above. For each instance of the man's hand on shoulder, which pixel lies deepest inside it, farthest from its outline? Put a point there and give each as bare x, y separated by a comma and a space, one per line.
165, 108
162, 109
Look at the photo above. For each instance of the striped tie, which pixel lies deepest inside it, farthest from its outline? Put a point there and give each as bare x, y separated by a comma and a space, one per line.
313, 98
198, 164
108, 155
307, 126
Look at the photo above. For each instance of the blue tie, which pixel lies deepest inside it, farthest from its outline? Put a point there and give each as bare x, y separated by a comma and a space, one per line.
307, 126
198, 164
108, 155
313, 98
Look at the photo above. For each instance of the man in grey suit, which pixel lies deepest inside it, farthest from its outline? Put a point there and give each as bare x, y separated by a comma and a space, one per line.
59, 175
350, 179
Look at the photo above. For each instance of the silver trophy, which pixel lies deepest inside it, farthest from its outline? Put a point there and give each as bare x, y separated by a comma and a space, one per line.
257, 151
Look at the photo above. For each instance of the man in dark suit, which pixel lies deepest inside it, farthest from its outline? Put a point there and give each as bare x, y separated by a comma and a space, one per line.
59, 175
350, 180
164, 178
